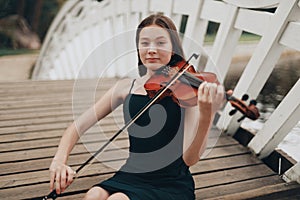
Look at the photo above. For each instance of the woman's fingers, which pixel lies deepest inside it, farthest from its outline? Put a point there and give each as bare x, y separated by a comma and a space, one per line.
71, 174
63, 179
210, 96
57, 182
61, 175
52, 178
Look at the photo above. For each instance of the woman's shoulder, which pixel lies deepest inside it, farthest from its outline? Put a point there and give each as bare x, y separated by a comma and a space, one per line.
123, 86
124, 83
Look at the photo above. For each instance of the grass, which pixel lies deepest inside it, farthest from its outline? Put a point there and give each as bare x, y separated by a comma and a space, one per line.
9, 51
245, 37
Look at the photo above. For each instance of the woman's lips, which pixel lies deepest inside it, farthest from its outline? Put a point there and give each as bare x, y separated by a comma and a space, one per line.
152, 59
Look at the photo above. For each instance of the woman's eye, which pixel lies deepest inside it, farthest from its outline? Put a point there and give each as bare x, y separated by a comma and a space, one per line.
144, 43
161, 43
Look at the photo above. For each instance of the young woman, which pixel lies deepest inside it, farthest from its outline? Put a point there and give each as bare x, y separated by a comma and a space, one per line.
164, 141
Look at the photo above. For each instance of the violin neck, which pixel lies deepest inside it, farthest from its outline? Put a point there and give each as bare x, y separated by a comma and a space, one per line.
195, 82
190, 80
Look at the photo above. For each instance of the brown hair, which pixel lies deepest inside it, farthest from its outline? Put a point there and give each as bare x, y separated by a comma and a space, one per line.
166, 23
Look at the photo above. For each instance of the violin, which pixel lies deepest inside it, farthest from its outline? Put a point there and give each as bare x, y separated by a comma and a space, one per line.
184, 90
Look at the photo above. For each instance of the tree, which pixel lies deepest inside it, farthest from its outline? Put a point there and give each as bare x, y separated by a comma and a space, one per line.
38, 14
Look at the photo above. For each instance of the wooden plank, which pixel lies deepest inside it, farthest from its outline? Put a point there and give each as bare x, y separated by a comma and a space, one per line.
223, 163
26, 155
45, 149
42, 176
269, 192
48, 119
45, 134
220, 191
49, 151
231, 175
42, 188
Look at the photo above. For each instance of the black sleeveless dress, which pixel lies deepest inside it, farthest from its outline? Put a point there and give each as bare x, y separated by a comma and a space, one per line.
154, 169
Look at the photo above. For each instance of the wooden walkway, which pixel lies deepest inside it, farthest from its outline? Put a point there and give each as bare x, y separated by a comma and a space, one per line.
34, 114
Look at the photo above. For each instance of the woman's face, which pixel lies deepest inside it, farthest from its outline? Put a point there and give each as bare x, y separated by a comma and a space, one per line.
155, 47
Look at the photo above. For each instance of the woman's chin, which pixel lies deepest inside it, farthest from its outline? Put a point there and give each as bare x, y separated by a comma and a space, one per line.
154, 66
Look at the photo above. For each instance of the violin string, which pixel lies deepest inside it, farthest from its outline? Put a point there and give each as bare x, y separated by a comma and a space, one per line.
191, 79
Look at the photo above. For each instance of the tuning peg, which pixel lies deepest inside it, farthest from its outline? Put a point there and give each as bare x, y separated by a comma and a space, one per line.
253, 102
232, 112
245, 97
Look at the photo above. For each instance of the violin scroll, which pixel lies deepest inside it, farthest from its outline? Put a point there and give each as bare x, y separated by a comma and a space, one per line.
250, 111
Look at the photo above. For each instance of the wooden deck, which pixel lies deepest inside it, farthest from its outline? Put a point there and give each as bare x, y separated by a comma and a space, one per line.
34, 114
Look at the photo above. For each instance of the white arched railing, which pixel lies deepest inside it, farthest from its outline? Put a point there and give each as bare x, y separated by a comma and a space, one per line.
90, 39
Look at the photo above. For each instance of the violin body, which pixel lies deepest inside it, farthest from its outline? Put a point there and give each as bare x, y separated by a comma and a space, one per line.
184, 91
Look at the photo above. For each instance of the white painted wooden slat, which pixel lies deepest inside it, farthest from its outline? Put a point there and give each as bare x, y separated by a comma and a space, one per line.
57, 68
52, 74
65, 65
195, 32
71, 60
176, 18
184, 7
121, 7
261, 63
214, 11
73, 56
253, 21
280, 123
292, 174
96, 35
291, 37
86, 49
224, 45
140, 6
164, 6
59, 17
50, 69
254, 3
78, 51
193, 42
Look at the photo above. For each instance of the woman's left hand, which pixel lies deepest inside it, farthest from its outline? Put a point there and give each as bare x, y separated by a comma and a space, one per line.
210, 97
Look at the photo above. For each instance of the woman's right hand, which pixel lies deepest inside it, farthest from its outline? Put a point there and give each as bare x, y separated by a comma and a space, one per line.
61, 174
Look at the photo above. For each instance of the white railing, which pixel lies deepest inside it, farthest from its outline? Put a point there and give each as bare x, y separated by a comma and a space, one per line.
90, 39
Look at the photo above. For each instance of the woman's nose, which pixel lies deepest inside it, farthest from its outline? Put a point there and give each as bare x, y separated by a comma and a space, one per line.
152, 49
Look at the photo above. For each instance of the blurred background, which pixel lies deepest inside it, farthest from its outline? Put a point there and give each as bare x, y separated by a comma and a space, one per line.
24, 23
23, 27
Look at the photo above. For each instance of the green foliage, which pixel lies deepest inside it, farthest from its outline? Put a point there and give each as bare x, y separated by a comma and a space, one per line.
48, 11
9, 51
7, 7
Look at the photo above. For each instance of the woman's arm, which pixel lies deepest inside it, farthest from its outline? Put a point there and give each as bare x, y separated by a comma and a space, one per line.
59, 171
198, 121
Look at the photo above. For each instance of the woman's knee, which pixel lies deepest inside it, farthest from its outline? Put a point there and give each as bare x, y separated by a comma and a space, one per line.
118, 196
96, 193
